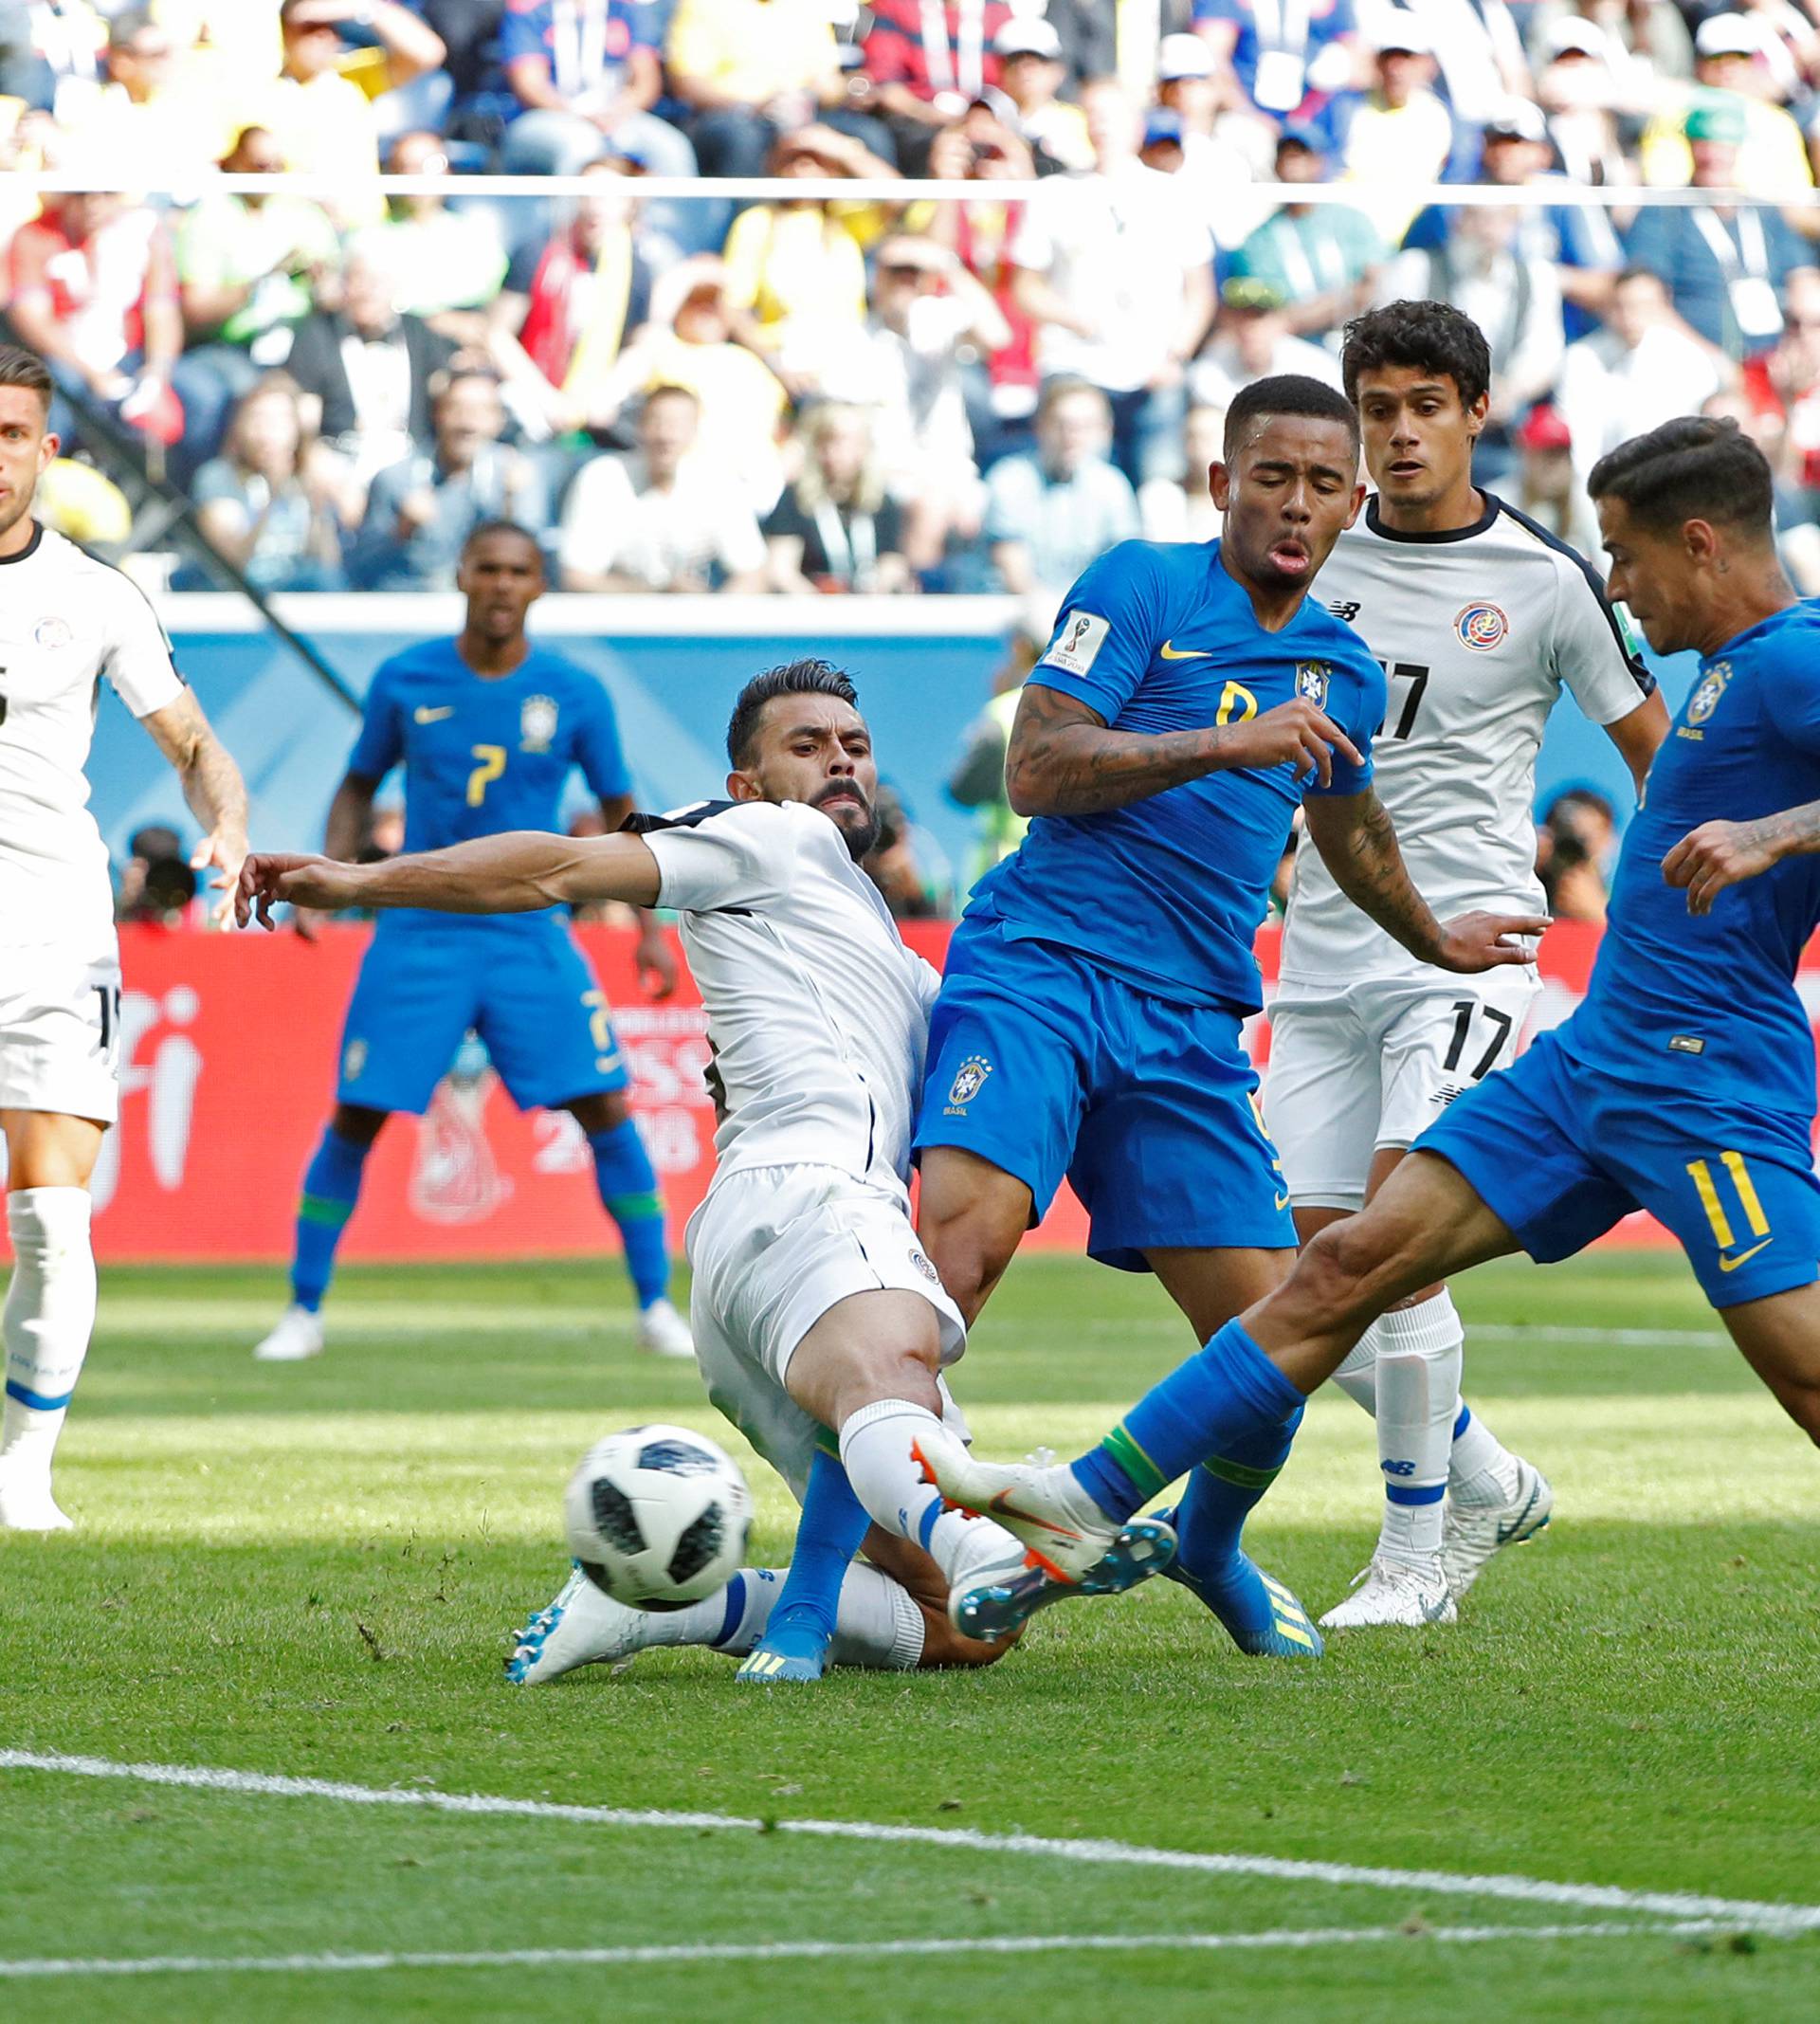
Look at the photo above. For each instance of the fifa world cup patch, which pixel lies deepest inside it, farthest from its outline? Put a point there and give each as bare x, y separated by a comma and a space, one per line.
354, 1060
537, 724
1313, 680
970, 1079
1077, 642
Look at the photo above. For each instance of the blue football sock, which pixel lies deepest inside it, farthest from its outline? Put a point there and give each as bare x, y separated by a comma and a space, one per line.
834, 1522
331, 1188
1222, 1395
628, 1184
1221, 1493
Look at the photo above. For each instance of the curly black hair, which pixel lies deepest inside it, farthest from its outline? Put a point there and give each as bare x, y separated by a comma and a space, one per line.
1424, 337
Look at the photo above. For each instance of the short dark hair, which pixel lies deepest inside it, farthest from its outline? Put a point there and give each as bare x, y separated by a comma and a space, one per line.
477, 534
1427, 337
1288, 393
21, 367
795, 678
1696, 467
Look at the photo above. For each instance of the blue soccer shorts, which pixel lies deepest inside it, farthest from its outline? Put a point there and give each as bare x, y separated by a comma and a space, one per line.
1560, 1152
1046, 1064
522, 985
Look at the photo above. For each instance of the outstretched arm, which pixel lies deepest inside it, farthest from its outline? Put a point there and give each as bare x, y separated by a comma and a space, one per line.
1357, 842
211, 786
1063, 761
1718, 854
516, 873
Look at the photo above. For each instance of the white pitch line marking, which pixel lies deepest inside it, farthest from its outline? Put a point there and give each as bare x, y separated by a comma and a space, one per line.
1437, 1883
1625, 1338
616, 1956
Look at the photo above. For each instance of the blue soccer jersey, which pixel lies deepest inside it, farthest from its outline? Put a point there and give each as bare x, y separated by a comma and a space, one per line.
1169, 891
1704, 1006
481, 755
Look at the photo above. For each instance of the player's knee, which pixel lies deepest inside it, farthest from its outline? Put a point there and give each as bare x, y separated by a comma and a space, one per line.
943, 1646
1348, 1265
604, 1112
357, 1125
968, 1254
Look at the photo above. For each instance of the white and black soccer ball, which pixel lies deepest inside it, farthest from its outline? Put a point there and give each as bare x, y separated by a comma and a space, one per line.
658, 1517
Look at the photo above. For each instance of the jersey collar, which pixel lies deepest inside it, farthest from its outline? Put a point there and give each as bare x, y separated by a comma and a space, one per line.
30, 547
1494, 506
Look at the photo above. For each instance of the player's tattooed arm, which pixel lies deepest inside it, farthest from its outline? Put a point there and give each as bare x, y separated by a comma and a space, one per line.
1064, 760
211, 786
1718, 854
1357, 842
518, 872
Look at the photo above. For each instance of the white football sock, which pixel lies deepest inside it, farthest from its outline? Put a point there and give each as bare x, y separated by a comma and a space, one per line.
1358, 1375
1483, 1469
874, 1452
49, 1317
1418, 1396
877, 1626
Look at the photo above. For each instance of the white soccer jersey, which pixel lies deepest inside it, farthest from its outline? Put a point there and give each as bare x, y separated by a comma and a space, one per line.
1478, 630
818, 1016
67, 622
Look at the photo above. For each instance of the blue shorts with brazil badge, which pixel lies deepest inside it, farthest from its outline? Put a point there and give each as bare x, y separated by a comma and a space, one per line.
519, 982
1046, 1064
1560, 1151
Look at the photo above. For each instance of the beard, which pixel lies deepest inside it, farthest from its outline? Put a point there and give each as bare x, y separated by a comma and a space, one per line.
856, 818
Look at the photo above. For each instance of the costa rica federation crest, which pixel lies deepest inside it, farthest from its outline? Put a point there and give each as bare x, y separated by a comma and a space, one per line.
1312, 680
1704, 700
1482, 626
537, 724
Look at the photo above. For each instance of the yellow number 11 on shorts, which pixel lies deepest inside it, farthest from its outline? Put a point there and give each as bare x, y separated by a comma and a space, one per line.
1701, 1175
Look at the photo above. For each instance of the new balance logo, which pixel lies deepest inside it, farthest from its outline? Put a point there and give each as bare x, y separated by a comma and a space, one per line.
1398, 1469
1346, 608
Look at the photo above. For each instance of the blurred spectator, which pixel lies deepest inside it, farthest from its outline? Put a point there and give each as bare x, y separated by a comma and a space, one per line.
1030, 73
1726, 265
1643, 369
91, 289
1477, 47
1049, 515
907, 370
750, 70
1322, 259
1116, 270
421, 510
158, 884
322, 121
47, 46
261, 505
906, 863
1581, 79
1640, 51
1545, 486
1279, 52
1513, 296
1397, 131
447, 266
582, 72
1253, 340
1089, 32
562, 319
1184, 511
247, 271
148, 122
1730, 70
663, 520
1575, 842
1222, 150
795, 275
836, 527
1784, 384
364, 372
977, 780
928, 61
689, 343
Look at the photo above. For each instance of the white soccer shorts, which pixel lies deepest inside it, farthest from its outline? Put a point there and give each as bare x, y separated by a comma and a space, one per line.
771, 1249
1376, 1065
60, 1028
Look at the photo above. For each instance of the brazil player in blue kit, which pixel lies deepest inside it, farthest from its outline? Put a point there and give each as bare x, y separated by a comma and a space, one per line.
1685, 1083
488, 728
1192, 699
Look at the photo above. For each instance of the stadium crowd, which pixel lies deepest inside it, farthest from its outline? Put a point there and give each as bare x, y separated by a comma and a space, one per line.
698, 394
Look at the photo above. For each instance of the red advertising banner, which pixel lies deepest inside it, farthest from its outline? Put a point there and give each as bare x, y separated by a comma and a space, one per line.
228, 1075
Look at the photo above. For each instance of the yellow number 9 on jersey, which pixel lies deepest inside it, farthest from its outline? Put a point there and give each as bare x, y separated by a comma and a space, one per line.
492, 759
1237, 705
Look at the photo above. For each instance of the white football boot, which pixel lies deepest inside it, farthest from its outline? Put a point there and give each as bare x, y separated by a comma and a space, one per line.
662, 1332
1471, 1533
1067, 1533
27, 1505
583, 1626
1393, 1592
297, 1336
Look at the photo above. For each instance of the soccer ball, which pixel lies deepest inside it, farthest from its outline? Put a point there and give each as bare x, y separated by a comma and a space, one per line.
657, 1517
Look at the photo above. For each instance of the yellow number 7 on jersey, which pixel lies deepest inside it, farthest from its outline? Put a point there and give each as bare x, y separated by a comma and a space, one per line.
492, 759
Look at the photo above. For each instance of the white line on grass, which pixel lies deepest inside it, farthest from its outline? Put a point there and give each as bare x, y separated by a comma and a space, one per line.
1625, 1338
1438, 1883
616, 1956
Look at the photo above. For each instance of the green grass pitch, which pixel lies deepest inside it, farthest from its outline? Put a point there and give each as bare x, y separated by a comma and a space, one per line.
314, 1571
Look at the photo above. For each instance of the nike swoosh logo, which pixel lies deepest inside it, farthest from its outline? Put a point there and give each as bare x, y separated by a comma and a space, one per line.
1002, 1506
1185, 653
435, 717
1282, 1201
1731, 1265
